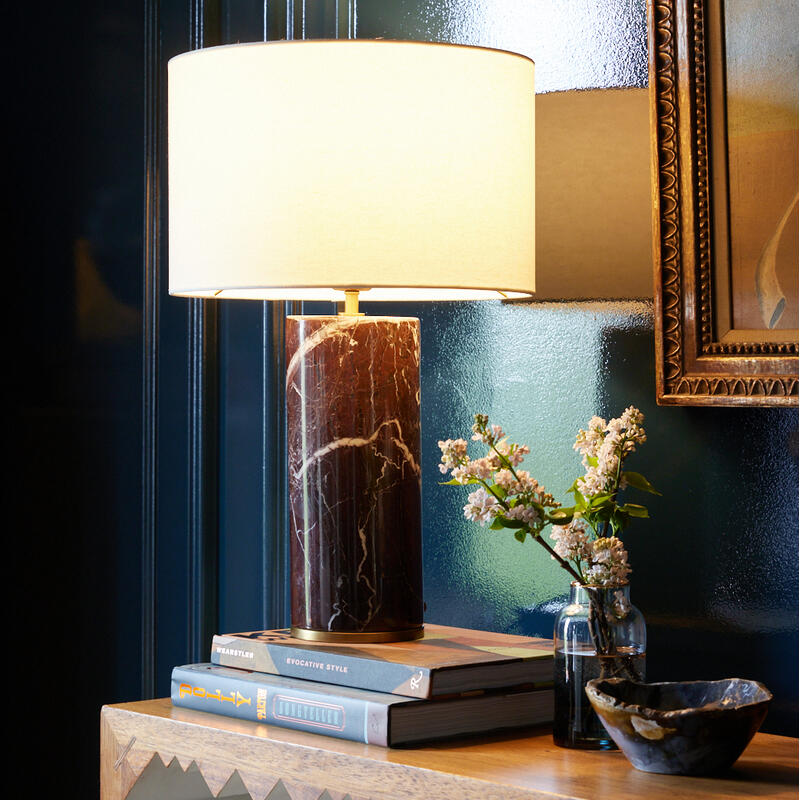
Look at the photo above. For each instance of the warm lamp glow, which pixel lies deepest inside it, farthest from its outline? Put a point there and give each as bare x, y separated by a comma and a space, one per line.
399, 167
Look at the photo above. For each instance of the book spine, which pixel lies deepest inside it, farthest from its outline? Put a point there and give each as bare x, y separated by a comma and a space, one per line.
300, 709
314, 665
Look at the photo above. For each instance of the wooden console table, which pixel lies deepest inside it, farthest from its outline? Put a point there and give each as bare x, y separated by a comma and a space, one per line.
268, 762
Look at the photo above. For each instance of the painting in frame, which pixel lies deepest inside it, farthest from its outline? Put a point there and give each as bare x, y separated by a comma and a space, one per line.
723, 99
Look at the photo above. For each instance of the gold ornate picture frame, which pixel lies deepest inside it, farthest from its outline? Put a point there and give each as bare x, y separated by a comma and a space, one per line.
710, 262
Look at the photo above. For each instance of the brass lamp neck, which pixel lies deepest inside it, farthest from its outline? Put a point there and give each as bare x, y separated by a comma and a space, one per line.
351, 304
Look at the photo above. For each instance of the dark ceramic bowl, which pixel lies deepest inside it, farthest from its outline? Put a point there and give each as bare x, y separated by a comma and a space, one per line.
691, 728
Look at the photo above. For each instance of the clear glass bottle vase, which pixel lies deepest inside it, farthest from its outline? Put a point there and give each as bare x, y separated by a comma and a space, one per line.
597, 634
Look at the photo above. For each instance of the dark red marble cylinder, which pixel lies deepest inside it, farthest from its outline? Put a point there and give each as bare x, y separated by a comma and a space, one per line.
353, 434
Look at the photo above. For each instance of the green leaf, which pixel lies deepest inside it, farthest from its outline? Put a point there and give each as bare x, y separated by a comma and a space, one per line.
510, 523
561, 516
600, 499
498, 491
603, 513
520, 536
619, 520
580, 500
497, 524
454, 482
591, 461
635, 510
569, 510
638, 481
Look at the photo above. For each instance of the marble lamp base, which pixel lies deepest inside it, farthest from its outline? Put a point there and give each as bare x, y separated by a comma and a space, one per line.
353, 435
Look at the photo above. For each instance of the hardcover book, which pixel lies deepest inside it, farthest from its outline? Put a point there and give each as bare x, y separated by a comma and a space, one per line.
445, 661
357, 714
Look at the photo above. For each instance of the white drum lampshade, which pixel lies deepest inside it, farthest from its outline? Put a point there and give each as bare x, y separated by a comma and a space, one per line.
299, 169
398, 170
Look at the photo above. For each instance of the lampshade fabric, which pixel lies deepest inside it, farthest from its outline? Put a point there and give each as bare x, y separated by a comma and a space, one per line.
300, 169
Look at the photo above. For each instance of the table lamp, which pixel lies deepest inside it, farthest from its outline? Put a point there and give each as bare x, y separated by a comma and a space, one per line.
333, 170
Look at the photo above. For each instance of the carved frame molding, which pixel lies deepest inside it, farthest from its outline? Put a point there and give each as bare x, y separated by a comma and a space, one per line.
692, 368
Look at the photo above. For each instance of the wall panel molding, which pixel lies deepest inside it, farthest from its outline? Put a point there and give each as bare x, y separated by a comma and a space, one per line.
274, 521
203, 421
150, 336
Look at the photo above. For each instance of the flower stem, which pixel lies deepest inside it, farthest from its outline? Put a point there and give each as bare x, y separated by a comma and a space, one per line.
537, 535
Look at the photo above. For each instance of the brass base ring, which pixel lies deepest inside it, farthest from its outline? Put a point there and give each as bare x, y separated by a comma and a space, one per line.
347, 637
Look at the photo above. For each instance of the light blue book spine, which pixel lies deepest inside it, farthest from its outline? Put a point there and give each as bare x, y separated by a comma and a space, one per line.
318, 665
277, 701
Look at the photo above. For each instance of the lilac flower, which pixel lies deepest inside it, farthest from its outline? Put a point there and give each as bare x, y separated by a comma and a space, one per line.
482, 507
515, 453
523, 513
604, 446
480, 468
571, 541
514, 499
609, 562
454, 452
506, 479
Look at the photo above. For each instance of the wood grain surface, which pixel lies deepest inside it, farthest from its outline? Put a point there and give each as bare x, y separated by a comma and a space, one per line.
505, 767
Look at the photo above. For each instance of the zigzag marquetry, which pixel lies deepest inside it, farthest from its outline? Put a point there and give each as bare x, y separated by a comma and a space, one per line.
259, 788
136, 747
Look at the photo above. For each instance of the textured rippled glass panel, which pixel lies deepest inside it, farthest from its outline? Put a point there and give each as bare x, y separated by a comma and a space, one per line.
714, 569
576, 44
538, 371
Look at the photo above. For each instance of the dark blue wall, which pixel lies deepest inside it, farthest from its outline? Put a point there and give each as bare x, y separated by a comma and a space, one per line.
72, 491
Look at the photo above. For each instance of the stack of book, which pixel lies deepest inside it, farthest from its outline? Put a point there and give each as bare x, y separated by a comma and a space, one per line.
452, 682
